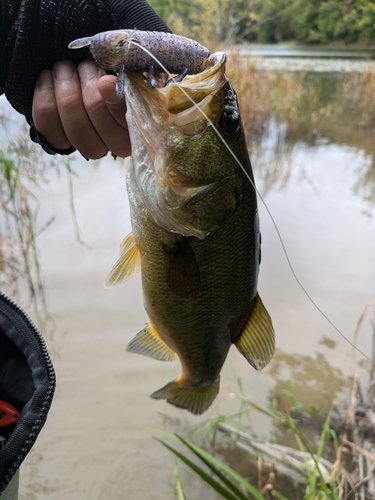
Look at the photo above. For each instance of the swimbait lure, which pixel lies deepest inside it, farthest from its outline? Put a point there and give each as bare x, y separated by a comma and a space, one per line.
121, 50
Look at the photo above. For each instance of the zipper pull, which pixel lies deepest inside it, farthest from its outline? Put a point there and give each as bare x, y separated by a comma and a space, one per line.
8, 414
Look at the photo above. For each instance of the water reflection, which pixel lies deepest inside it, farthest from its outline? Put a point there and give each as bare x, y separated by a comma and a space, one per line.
327, 113
307, 58
365, 185
278, 161
273, 158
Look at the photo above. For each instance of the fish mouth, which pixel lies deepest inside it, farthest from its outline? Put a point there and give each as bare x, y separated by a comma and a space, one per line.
180, 99
161, 118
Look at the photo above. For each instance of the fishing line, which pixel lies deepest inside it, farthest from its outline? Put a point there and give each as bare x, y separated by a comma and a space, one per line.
210, 122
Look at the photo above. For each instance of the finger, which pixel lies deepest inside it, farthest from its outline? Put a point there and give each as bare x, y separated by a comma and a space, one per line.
116, 105
77, 124
112, 131
45, 113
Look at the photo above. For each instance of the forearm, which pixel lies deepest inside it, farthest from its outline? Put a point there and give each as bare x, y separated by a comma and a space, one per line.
8, 10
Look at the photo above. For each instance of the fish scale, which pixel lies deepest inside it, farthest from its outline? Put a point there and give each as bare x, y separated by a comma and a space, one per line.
195, 225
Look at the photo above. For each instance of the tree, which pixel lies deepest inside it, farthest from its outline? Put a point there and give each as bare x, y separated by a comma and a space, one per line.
307, 21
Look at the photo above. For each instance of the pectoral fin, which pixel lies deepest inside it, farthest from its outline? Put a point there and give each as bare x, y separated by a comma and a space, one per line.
148, 343
128, 264
257, 340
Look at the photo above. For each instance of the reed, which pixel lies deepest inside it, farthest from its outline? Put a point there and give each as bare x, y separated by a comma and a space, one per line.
358, 98
23, 175
298, 101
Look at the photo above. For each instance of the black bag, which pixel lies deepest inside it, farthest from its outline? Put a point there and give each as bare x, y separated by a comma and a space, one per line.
27, 384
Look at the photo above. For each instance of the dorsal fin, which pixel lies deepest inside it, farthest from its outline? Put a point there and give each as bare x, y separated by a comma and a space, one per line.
257, 340
128, 264
149, 343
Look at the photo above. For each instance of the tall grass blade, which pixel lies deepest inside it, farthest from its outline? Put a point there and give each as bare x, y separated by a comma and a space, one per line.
212, 462
198, 470
178, 485
217, 466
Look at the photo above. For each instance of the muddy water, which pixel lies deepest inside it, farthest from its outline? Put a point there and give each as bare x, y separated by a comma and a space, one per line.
97, 442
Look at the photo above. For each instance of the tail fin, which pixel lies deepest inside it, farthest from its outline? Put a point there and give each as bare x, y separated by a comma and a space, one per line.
194, 399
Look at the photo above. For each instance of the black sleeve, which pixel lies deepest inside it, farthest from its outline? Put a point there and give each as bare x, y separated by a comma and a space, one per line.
35, 35
27, 383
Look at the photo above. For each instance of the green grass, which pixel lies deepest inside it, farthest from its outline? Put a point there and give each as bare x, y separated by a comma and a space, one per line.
225, 480
310, 472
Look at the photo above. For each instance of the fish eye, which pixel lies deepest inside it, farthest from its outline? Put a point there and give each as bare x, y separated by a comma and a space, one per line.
229, 121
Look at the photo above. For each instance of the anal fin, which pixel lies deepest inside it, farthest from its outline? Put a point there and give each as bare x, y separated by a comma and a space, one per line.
257, 340
128, 264
148, 343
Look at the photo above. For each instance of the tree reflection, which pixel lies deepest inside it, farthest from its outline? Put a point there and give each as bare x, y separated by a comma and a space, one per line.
283, 111
365, 185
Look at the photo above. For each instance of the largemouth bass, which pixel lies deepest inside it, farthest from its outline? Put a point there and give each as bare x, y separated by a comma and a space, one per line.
195, 232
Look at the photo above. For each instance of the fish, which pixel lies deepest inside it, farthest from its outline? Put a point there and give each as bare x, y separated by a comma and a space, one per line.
195, 231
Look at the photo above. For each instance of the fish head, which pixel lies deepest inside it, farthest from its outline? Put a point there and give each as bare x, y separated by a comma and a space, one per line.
187, 142
107, 48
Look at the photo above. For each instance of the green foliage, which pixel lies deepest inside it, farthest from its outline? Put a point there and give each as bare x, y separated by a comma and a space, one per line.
318, 482
306, 21
273, 21
330, 22
362, 18
223, 479
208, 21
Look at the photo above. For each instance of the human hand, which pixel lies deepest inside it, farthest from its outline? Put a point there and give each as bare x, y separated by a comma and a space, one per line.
35, 36
78, 107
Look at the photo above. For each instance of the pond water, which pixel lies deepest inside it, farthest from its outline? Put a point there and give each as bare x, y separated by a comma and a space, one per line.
97, 442
307, 58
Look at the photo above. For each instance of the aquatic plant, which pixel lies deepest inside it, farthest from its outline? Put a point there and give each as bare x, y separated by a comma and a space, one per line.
20, 174
309, 474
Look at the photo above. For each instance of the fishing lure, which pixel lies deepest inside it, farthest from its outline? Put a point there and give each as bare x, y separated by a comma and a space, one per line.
121, 50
